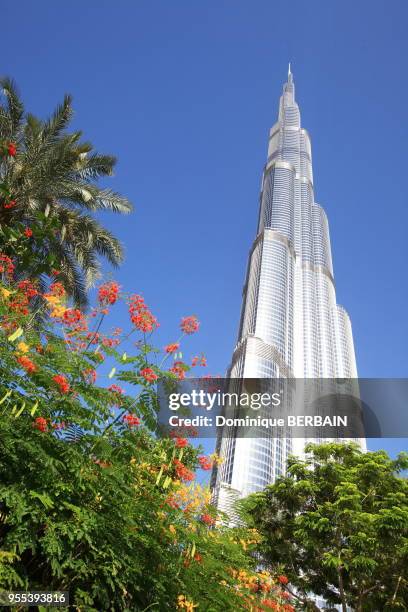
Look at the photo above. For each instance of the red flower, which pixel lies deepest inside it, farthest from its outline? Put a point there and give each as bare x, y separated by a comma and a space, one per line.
27, 364
40, 423
28, 232
207, 519
6, 265
90, 375
61, 425
182, 472
148, 374
10, 204
172, 348
57, 289
28, 288
283, 579
74, 317
108, 293
11, 149
131, 420
116, 389
140, 315
199, 361
181, 442
62, 383
179, 369
205, 463
189, 325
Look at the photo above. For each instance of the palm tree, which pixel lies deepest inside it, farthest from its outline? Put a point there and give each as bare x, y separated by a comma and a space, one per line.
51, 182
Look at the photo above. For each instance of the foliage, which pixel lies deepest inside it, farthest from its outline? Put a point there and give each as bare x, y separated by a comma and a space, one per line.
337, 524
49, 194
91, 500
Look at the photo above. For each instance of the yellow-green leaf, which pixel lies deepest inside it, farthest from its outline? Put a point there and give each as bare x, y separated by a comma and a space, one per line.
34, 409
112, 373
166, 482
20, 411
3, 399
19, 332
160, 474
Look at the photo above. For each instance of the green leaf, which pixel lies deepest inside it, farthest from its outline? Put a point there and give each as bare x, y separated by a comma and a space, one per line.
44, 499
112, 373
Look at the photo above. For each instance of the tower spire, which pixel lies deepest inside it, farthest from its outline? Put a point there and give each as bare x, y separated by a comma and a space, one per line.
289, 71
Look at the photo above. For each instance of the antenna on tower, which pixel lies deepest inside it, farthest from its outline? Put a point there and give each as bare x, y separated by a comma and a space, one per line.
289, 71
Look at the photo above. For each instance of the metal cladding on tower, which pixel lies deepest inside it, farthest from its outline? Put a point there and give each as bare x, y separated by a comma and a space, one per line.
291, 325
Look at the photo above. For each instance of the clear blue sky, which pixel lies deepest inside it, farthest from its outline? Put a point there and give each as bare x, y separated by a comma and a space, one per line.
184, 94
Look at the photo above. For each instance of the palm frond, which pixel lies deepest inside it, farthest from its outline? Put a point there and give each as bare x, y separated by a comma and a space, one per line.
59, 120
15, 108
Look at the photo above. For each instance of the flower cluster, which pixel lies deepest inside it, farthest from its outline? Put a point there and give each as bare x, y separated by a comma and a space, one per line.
172, 348
90, 375
148, 374
181, 442
10, 204
191, 499
8, 148
28, 288
202, 361
182, 472
131, 420
41, 424
6, 266
116, 389
207, 519
108, 293
205, 463
62, 383
140, 314
179, 369
184, 604
27, 364
189, 325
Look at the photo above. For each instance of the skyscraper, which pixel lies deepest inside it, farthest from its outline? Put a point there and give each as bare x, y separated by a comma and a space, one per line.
291, 325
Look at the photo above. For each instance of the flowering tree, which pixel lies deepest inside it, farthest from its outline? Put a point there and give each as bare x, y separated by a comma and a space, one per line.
91, 500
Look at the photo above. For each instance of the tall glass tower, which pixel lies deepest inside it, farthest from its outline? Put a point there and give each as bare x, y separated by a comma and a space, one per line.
291, 325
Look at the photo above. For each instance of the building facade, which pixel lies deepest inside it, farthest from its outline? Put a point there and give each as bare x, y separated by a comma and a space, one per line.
291, 325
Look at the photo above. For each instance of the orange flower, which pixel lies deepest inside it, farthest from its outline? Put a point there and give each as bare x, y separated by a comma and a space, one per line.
62, 383
172, 348
27, 364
